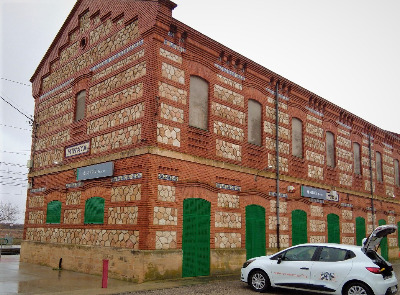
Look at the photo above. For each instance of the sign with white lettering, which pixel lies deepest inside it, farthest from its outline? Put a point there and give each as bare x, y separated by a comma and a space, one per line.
95, 171
78, 149
312, 192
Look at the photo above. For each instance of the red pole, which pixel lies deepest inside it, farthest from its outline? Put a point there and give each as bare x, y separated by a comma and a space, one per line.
105, 274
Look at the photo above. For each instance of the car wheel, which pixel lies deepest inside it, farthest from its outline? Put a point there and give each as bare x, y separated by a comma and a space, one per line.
259, 281
357, 288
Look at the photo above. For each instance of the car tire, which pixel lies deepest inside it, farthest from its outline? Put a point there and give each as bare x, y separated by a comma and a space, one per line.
357, 288
259, 281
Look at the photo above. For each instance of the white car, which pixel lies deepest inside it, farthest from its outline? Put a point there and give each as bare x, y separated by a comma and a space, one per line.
326, 268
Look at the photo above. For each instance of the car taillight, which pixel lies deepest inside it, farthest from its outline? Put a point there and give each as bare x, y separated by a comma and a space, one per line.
376, 270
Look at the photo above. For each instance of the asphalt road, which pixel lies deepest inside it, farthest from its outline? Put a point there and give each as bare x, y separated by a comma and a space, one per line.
226, 286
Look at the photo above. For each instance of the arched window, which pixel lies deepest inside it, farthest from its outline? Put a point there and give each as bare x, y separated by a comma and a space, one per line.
53, 214
330, 149
297, 137
379, 167
254, 122
80, 105
396, 173
198, 103
357, 158
94, 210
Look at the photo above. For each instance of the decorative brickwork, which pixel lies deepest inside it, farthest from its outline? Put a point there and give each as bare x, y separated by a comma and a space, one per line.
228, 201
228, 220
48, 158
283, 223
35, 201
348, 240
170, 56
171, 113
73, 216
123, 137
168, 135
165, 240
348, 228
36, 217
228, 96
228, 113
273, 241
165, 216
315, 172
92, 237
317, 239
118, 80
172, 73
229, 82
284, 147
73, 198
282, 206
315, 157
228, 150
317, 226
172, 93
126, 193
311, 142
166, 193
227, 130
56, 139
228, 240
117, 99
122, 215
314, 130
317, 211
347, 214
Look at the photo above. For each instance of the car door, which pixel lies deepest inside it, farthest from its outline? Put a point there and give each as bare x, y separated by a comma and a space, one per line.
331, 267
293, 267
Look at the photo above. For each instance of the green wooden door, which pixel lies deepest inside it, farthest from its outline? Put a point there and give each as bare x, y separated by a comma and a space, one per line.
299, 227
384, 242
255, 231
196, 238
333, 228
360, 230
53, 214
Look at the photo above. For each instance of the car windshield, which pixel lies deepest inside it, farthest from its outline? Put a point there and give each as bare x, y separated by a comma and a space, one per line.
302, 253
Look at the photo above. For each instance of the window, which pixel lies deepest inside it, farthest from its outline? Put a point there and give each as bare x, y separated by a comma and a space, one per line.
303, 253
198, 103
297, 138
80, 105
330, 149
357, 158
254, 122
53, 214
94, 211
379, 167
396, 173
334, 254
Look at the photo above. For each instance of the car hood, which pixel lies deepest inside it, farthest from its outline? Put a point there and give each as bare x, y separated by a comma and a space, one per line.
375, 238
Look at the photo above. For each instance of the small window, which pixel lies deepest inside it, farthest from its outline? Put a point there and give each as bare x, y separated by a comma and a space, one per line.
396, 173
94, 211
333, 254
303, 253
357, 158
330, 149
254, 122
297, 138
198, 103
379, 167
80, 105
53, 214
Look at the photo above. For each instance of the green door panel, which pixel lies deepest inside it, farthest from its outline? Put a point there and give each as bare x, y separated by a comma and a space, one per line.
384, 242
333, 228
299, 227
360, 230
255, 231
196, 238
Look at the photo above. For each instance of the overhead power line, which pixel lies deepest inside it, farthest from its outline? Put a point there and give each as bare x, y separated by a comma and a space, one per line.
29, 118
15, 127
15, 82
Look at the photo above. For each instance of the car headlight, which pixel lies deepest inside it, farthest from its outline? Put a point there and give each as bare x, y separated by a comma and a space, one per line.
246, 264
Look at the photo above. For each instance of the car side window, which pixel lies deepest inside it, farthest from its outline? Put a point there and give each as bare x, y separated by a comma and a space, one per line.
304, 253
333, 254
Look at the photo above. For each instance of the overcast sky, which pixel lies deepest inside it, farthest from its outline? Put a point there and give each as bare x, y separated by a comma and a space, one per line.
346, 51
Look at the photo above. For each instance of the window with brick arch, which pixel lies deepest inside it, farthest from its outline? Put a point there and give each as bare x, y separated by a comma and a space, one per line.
254, 122
80, 105
379, 167
357, 158
396, 173
198, 103
330, 149
297, 138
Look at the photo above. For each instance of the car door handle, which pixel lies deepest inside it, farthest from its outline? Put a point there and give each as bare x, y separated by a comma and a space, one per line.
304, 268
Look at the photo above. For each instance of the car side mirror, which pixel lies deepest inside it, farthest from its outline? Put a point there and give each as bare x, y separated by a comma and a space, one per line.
279, 259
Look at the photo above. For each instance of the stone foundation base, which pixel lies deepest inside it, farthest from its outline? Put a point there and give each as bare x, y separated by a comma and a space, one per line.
124, 264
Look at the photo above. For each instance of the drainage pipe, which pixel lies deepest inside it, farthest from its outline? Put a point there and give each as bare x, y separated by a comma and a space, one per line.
278, 244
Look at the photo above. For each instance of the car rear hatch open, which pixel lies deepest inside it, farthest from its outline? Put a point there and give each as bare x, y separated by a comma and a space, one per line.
375, 238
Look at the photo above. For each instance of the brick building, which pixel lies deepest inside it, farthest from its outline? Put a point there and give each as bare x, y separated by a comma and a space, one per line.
154, 147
